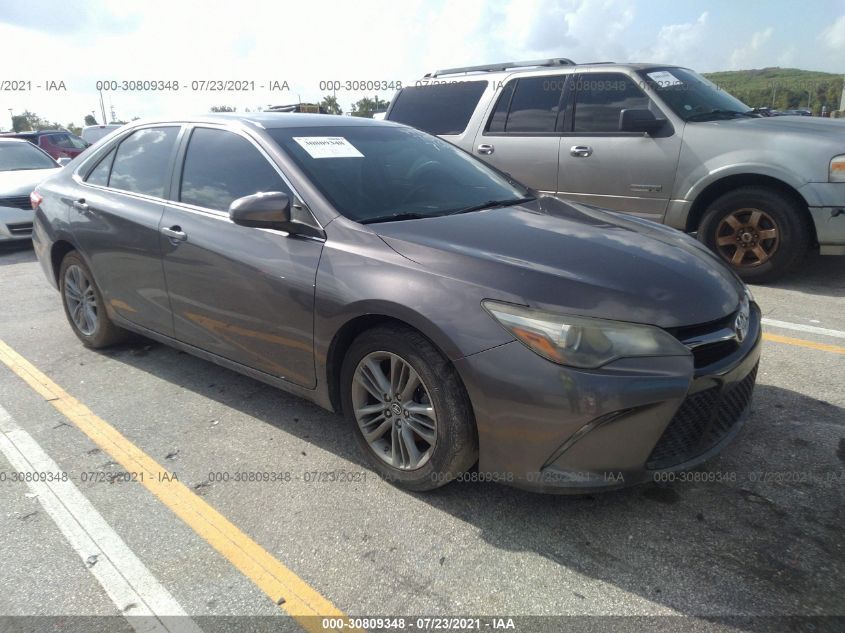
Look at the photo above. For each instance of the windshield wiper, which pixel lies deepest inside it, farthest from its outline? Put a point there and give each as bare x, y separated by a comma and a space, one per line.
491, 204
703, 116
395, 217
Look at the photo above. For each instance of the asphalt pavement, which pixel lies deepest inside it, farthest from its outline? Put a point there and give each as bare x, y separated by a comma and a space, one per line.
751, 541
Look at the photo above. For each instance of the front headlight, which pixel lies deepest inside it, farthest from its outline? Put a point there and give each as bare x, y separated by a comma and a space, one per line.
837, 168
582, 341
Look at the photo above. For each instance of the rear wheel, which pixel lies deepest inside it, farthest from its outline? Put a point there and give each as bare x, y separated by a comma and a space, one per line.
83, 304
411, 414
759, 232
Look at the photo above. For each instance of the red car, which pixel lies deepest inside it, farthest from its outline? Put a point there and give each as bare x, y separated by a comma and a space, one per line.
57, 143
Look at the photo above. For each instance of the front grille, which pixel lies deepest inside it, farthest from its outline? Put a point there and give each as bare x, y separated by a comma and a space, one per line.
18, 202
703, 420
20, 229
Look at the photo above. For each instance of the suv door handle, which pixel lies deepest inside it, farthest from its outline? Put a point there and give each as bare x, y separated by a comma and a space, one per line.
175, 234
80, 205
581, 151
485, 149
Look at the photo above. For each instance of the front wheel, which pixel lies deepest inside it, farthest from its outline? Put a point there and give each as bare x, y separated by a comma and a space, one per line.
759, 232
411, 414
84, 305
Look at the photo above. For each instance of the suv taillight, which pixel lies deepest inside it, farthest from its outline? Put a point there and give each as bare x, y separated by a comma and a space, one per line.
35, 200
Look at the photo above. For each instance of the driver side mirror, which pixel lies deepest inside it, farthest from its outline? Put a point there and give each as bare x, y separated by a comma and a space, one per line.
270, 210
636, 120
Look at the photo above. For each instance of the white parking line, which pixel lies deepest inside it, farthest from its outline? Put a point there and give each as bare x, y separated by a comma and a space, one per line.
136, 593
786, 325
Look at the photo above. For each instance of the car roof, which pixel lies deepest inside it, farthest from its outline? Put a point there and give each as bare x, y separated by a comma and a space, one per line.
13, 139
274, 120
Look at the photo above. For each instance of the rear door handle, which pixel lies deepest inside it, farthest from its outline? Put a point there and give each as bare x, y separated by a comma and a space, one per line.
485, 148
80, 205
581, 151
175, 234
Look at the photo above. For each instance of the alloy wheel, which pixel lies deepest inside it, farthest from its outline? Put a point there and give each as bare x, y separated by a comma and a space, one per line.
81, 300
394, 410
747, 237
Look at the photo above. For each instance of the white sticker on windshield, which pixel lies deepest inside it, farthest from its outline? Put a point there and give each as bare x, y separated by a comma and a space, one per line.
664, 78
328, 147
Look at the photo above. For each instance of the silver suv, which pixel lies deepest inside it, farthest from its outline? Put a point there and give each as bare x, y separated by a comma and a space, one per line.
657, 141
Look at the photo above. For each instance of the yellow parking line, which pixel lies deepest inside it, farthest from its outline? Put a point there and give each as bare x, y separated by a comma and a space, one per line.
800, 342
280, 584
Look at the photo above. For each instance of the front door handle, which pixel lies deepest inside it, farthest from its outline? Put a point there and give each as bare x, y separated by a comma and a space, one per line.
80, 205
581, 151
485, 149
175, 234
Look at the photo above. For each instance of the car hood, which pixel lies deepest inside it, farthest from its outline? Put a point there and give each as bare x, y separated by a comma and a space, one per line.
21, 183
797, 124
574, 259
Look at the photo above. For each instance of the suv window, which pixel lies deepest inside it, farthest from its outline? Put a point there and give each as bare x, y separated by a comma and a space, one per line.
67, 141
100, 174
221, 167
599, 99
142, 162
438, 108
535, 104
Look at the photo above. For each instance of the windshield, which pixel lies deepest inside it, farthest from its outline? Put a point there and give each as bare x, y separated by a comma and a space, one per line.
691, 96
375, 172
20, 156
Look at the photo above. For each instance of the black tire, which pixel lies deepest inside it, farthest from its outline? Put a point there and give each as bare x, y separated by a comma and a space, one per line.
105, 333
779, 212
456, 446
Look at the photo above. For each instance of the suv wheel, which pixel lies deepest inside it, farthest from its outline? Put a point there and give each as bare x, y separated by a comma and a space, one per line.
84, 305
411, 414
760, 233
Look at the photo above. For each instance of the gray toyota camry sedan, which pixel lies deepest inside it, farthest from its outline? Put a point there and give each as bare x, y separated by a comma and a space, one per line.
454, 316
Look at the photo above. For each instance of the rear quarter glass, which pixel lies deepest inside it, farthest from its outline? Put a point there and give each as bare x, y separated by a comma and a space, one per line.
438, 108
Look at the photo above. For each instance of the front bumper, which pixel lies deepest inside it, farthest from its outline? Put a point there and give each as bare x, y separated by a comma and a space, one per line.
826, 202
556, 429
15, 224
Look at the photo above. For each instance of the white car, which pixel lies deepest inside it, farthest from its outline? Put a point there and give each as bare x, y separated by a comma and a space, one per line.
93, 133
22, 167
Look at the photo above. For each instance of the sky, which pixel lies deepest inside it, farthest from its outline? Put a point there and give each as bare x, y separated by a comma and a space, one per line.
303, 43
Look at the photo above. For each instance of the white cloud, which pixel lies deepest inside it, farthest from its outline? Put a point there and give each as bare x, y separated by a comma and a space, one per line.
834, 35
682, 44
753, 54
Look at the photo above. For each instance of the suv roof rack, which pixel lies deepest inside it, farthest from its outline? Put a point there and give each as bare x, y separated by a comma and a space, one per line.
559, 61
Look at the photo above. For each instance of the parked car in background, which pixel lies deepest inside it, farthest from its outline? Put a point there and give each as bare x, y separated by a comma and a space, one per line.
452, 314
656, 141
93, 133
22, 167
57, 143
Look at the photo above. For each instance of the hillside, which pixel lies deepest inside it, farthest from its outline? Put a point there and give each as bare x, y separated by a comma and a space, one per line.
782, 88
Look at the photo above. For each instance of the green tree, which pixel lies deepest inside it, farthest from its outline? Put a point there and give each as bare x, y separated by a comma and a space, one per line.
366, 107
223, 108
73, 129
29, 121
330, 105
90, 120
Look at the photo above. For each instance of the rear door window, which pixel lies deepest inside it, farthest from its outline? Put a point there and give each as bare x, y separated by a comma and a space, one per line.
143, 159
221, 166
528, 106
438, 108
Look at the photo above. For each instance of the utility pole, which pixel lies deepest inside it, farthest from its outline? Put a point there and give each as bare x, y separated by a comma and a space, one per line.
103, 107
